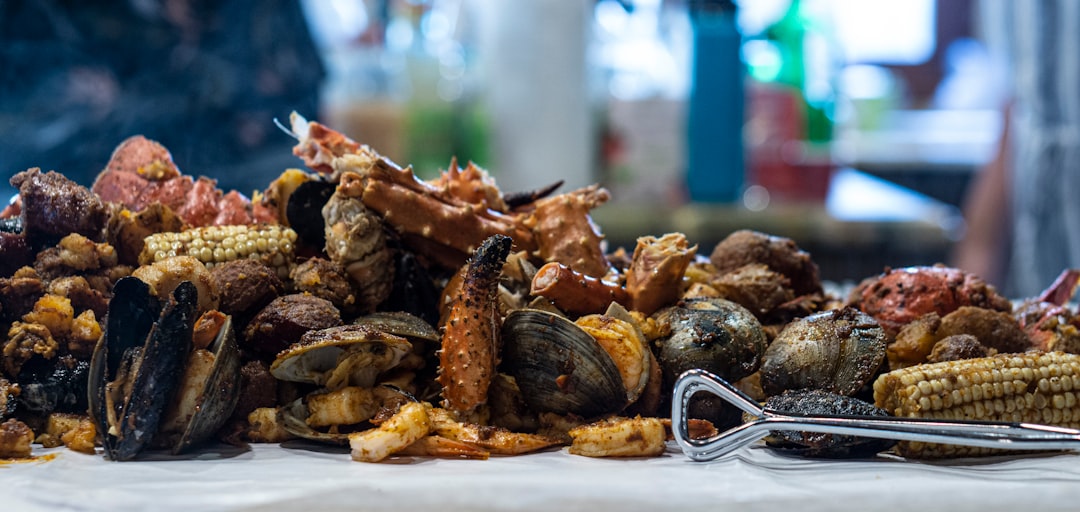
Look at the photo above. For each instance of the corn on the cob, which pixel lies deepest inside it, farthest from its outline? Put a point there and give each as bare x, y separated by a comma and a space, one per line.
271, 244
1032, 387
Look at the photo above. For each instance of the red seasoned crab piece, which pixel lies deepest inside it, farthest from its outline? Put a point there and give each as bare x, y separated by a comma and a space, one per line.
899, 296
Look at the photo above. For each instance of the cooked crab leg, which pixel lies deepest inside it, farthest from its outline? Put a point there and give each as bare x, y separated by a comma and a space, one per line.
468, 355
574, 292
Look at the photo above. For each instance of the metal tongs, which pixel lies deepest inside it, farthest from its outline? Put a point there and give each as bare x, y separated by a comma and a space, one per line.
1010, 436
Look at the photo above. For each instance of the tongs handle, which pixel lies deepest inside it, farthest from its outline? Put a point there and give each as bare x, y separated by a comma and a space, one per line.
1011, 436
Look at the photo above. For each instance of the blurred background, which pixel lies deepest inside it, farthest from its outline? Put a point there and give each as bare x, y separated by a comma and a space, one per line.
854, 127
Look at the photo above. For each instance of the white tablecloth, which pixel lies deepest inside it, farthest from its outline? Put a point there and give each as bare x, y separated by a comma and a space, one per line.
300, 476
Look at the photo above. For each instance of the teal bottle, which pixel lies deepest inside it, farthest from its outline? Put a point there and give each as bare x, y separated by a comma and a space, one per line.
716, 170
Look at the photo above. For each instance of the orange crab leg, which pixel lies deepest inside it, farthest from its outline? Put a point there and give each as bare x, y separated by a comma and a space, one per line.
467, 359
574, 292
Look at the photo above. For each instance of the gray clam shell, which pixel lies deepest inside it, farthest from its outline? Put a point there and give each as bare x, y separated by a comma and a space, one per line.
838, 350
559, 367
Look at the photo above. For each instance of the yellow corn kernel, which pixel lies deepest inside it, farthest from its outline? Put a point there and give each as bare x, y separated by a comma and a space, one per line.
1033, 387
271, 244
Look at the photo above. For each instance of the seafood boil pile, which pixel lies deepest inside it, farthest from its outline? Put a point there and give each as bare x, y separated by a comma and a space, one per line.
352, 303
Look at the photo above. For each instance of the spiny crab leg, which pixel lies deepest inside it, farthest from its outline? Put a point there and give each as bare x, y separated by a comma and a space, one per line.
410, 207
468, 356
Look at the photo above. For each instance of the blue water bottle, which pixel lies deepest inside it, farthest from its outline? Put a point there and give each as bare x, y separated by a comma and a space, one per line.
716, 170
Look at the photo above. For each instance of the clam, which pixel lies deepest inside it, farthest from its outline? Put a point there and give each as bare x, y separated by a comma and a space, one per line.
559, 367
416, 371
345, 355
400, 323
712, 334
838, 350
138, 369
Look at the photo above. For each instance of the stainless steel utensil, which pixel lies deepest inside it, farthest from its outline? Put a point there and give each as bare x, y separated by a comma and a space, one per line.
1011, 436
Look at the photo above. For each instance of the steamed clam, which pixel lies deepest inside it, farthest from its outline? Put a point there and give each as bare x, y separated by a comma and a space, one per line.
145, 389
838, 350
713, 334
344, 362
589, 369
416, 371
335, 357
328, 416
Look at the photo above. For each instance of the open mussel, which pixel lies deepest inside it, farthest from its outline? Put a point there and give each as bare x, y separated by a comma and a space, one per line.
142, 377
560, 367
207, 395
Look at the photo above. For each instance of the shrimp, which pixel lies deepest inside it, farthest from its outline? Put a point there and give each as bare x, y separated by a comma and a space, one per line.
404, 428
619, 437
494, 439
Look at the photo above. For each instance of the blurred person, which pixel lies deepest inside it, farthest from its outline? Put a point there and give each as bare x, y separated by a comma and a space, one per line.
205, 78
1022, 210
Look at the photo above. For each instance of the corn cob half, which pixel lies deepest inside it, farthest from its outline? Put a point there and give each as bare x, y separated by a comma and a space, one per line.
1032, 387
268, 243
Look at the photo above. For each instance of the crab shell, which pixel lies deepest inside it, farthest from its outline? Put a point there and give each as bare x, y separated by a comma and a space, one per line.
899, 296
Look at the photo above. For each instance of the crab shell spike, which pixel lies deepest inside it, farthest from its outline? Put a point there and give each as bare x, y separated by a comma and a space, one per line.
342, 355
468, 355
299, 124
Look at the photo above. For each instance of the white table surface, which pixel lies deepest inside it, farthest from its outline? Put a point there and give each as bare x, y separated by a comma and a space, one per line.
300, 476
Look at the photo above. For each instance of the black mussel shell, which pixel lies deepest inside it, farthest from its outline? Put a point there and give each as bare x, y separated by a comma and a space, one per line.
144, 346
414, 289
815, 402
304, 211
57, 385
8, 399
220, 392
13, 225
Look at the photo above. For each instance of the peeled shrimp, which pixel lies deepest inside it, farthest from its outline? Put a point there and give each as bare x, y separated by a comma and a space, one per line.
404, 428
619, 437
